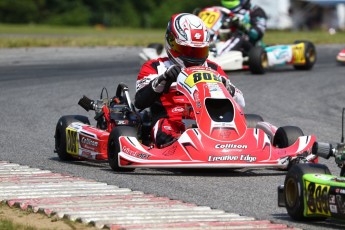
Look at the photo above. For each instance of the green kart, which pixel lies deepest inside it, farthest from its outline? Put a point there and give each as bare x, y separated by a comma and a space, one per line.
310, 191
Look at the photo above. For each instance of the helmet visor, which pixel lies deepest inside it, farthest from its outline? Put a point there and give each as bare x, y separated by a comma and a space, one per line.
189, 52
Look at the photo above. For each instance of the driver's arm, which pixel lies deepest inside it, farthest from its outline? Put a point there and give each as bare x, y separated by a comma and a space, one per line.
258, 20
145, 96
232, 89
150, 85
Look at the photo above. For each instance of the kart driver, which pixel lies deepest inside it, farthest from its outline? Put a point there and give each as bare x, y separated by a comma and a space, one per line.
248, 18
186, 44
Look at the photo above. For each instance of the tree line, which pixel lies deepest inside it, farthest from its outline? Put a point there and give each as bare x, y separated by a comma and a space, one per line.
110, 13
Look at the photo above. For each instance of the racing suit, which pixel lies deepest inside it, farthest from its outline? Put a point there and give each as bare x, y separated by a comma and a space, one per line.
166, 114
245, 27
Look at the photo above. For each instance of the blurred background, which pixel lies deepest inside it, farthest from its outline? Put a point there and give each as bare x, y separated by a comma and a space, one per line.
283, 14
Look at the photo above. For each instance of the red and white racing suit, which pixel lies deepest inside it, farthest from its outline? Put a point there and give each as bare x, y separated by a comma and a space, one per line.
166, 113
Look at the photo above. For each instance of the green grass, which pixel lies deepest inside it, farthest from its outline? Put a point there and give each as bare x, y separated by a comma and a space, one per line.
9, 225
13, 36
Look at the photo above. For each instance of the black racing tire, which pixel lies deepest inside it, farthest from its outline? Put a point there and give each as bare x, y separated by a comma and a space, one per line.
286, 136
294, 189
157, 46
114, 146
252, 120
309, 54
257, 60
60, 135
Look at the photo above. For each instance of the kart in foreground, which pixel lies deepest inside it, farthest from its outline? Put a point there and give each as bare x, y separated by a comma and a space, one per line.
341, 57
218, 134
310, 191
301, 54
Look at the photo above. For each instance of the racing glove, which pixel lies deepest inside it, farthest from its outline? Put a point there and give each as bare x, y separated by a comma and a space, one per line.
234, 92
162, 83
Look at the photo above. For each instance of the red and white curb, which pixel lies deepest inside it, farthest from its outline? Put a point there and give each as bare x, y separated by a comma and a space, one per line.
108, 206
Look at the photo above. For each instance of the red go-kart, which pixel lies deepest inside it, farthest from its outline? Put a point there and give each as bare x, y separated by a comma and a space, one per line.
218, 133
341, 57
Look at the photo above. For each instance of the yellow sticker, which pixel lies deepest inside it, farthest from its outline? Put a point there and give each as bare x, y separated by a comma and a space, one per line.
209, 17
317, 198
71, 141
298, 53
197, 77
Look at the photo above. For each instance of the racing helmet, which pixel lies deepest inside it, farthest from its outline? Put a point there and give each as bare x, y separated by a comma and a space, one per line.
236, 5
187, 40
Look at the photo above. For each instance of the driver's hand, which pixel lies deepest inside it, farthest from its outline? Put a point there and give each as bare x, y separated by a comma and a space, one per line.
162, 83
171, 73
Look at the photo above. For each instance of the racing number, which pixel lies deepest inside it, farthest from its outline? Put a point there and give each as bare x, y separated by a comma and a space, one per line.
202, 77
317, 198
71, 141
209, 18
298, 53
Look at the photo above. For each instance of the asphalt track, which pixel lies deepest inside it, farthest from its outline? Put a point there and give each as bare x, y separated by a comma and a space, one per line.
37, 86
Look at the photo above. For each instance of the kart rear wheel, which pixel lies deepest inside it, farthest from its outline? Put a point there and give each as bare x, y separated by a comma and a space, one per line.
286, 136
309, 54
258, 61
294, 189
252, 120
157, 46
114, 146
60, 134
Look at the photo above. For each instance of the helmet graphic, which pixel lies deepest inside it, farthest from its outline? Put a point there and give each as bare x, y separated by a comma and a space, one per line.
187, 40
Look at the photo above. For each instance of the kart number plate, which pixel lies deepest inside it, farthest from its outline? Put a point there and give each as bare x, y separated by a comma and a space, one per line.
298, 53
316, 198
197, 77
209, 18
71, 141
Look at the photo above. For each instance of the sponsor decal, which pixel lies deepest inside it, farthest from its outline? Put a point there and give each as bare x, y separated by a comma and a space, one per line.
143, 155
135, 154
331, 199
166, 127
333, 208
243, 157
339, 179
124, 122
177, 110
197, 36
86, 154
230, 146
197, 99
88, 143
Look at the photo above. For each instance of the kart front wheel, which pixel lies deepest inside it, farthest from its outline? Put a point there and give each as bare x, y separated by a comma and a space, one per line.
286, 136
114, 146
258, 61
309, 55
294, 189
60, 134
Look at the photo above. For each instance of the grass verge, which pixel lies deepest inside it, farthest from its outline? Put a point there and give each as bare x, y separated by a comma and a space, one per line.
15, 36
